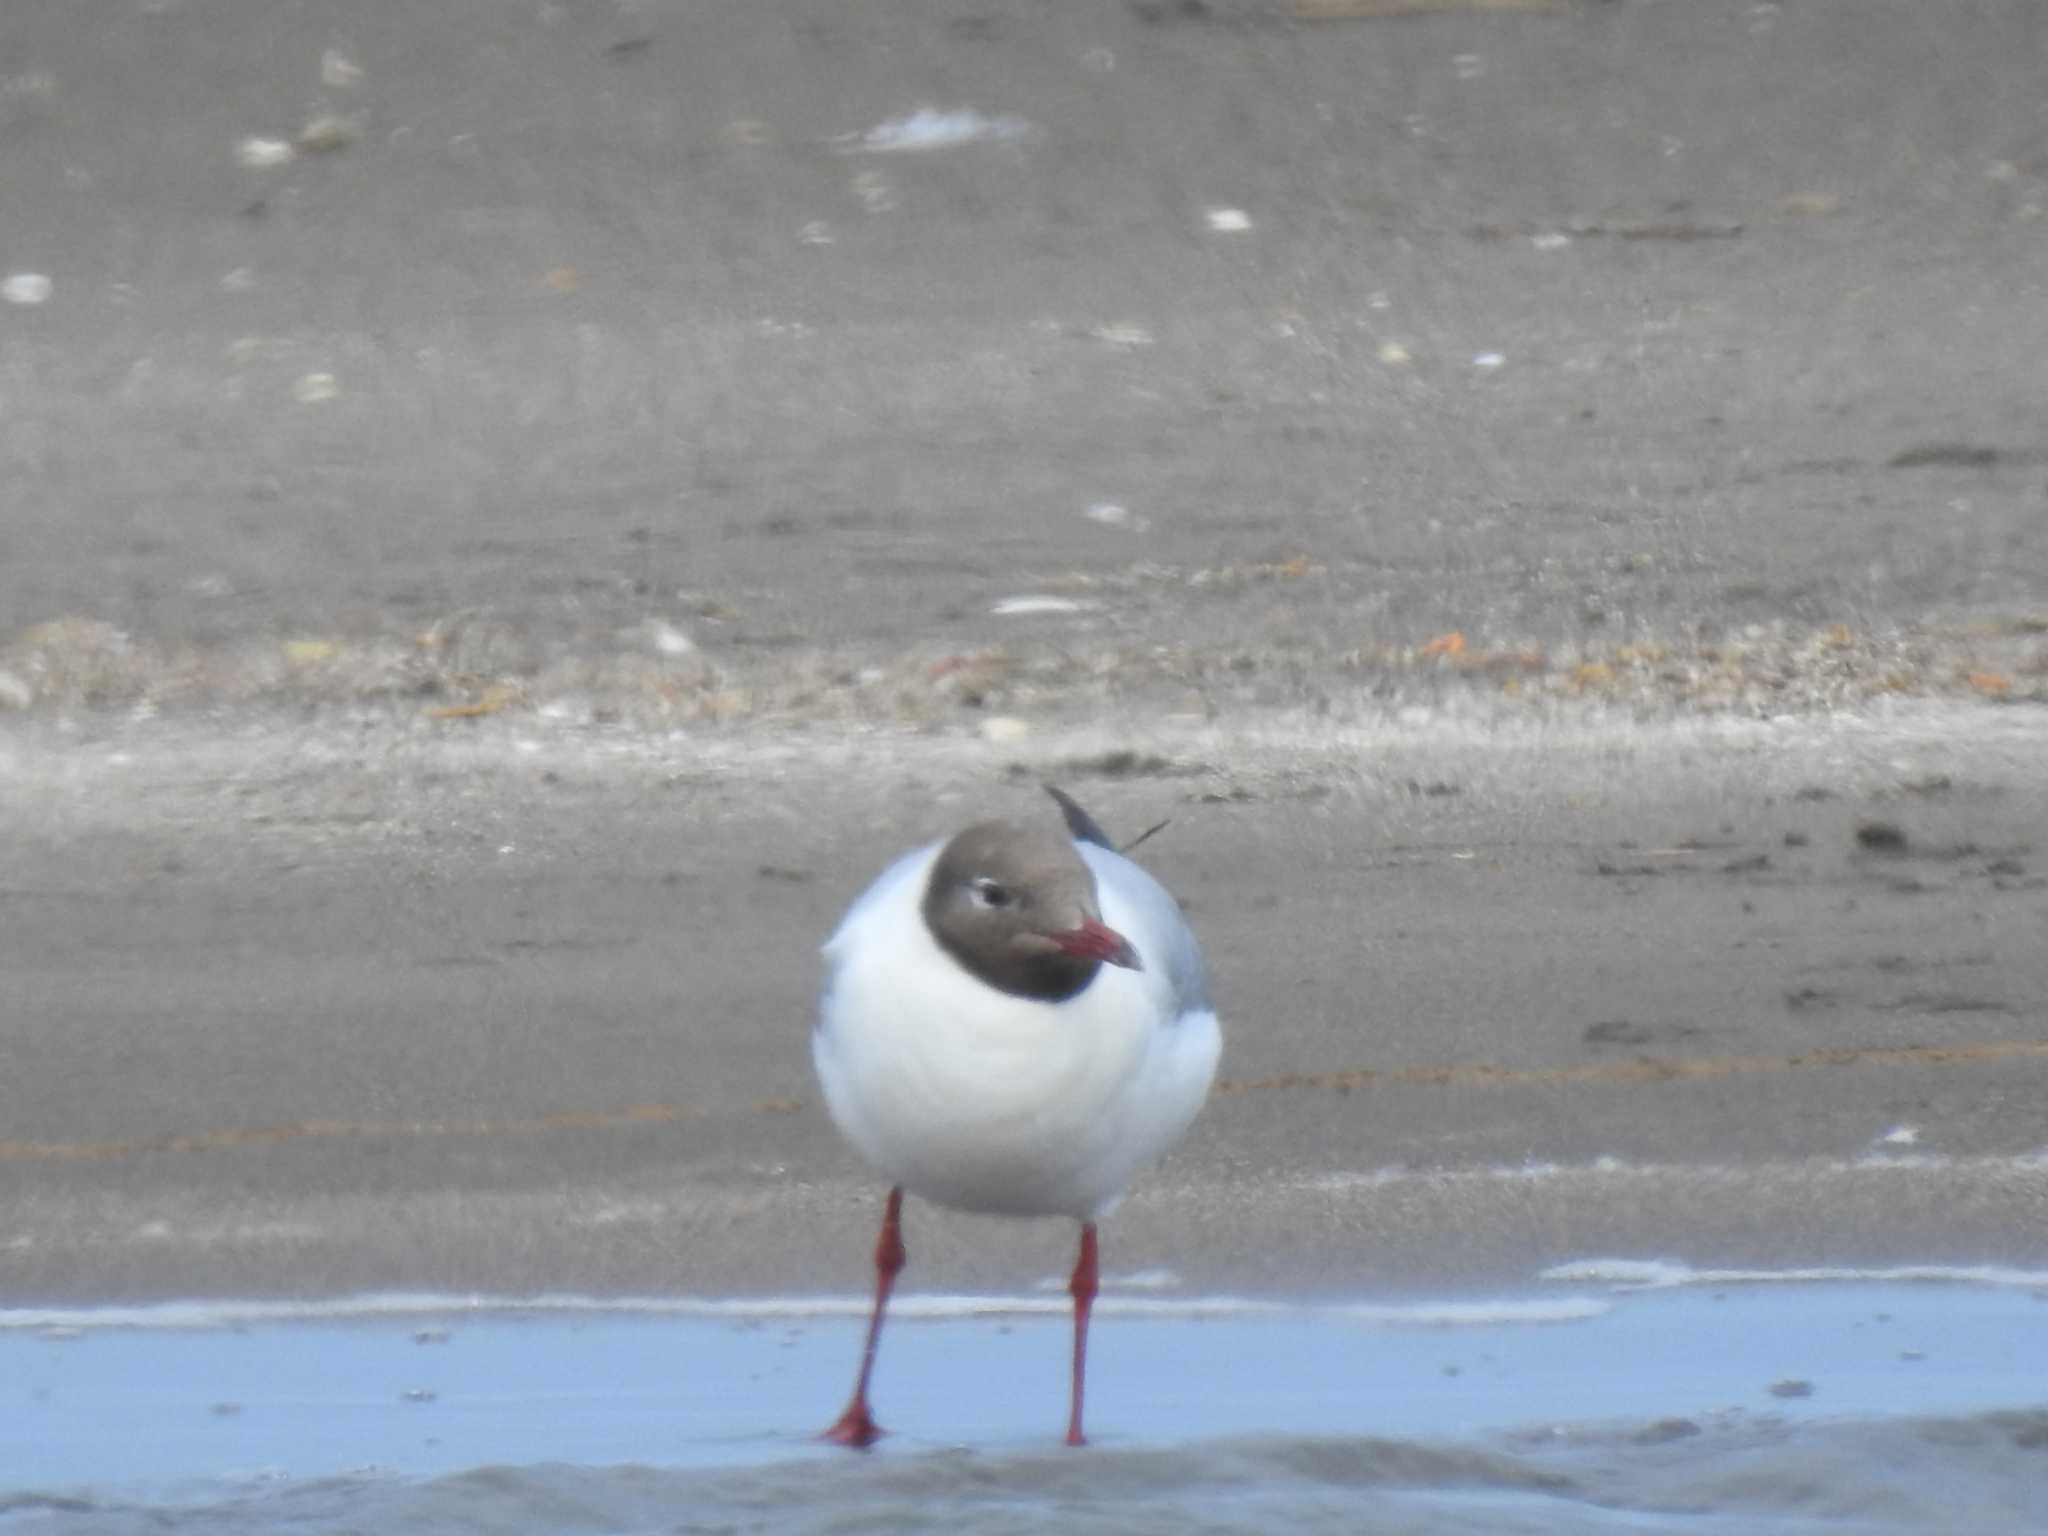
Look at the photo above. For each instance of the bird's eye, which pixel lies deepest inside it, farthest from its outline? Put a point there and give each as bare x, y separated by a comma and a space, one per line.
989, 894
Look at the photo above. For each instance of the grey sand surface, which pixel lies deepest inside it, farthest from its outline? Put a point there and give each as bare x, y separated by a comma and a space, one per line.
524, 1013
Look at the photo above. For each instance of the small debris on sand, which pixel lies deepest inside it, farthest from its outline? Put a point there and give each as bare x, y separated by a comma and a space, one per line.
1944, 456
1880, 837
27, 289
933, 128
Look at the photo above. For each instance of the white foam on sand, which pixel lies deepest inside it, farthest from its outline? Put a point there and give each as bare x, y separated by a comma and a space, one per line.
199, 1314
1864, 1165
1138, 1295
1671, 1274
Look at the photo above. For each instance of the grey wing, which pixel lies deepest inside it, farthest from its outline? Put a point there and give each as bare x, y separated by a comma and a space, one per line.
1168, 941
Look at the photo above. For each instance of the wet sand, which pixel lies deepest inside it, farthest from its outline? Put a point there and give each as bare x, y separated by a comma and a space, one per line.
491, 573
521, 1010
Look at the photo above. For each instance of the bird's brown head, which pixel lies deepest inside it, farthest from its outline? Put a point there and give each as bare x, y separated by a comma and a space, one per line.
1016, 906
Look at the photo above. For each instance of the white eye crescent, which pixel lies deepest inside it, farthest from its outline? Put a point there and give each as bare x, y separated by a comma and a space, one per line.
987, 893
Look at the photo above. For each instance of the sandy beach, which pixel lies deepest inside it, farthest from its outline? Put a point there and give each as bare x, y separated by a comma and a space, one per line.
515, 512
525, 1012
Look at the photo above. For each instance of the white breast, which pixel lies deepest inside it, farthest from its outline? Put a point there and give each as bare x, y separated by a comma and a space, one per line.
973, 1098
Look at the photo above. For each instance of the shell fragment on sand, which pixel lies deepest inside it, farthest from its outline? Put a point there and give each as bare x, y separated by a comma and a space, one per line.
930, 128
1037, 603
27, 288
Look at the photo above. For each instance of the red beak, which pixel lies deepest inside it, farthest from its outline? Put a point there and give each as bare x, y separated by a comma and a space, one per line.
1094, 941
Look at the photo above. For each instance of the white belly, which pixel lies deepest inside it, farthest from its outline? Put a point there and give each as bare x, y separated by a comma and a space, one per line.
987, 1102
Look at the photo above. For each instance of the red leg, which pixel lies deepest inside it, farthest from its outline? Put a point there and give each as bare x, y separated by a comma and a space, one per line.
857, 1427
1082, 1288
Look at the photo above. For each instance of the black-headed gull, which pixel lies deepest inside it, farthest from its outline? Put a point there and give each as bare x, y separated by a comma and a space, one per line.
1014, 1021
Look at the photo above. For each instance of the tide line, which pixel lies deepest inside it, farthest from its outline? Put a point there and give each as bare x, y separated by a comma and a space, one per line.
386, 1306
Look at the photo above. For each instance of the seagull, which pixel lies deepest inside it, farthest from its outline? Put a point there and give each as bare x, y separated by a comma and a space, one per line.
1014, 1021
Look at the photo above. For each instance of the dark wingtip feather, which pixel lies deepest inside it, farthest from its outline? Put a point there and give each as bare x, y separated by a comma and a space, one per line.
1157, 826
1084, 827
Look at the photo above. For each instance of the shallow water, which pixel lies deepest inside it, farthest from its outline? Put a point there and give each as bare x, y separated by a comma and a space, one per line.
1618, 1397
